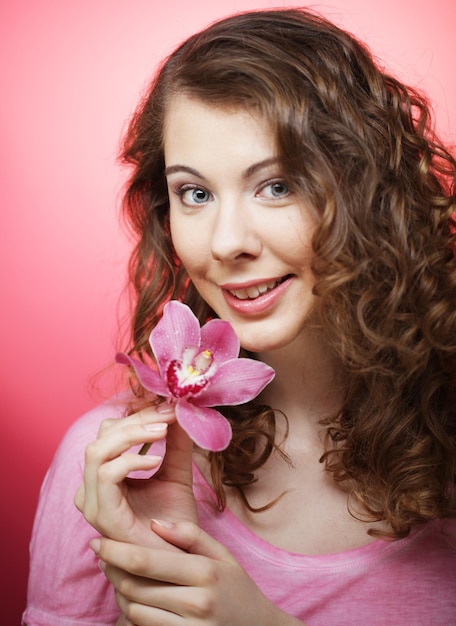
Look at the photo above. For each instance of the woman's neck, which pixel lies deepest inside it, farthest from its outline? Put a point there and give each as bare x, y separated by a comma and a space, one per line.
308, 385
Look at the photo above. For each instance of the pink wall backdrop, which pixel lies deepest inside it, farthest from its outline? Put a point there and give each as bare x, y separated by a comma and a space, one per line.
71, 74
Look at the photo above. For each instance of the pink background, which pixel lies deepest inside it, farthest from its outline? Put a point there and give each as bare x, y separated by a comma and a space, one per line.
72, 72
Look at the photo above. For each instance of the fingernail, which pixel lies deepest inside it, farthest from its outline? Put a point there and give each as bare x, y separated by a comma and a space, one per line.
155, 427
165, 408
102, 565
162, 523
95, 545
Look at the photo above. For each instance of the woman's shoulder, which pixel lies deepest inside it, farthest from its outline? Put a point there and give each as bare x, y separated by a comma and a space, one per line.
65, 471
85, 428
63, 572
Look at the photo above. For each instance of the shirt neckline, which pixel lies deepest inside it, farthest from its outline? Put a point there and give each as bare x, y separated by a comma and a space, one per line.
262, 549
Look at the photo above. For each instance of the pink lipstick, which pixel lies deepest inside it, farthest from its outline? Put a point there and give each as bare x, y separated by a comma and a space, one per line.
239, 297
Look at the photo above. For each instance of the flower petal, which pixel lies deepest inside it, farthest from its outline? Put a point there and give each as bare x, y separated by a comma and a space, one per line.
219, 337
208, 428
178, 329
147, 377
235, 382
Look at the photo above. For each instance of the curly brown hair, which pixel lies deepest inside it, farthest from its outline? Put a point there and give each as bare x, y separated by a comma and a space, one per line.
359, 146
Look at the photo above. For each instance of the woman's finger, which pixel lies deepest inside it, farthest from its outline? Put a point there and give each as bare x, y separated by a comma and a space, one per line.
106, 466
191, 538
164, 598
178, 568
177, 466
116, 441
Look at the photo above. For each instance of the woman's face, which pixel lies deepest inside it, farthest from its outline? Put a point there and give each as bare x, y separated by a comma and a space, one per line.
240, 231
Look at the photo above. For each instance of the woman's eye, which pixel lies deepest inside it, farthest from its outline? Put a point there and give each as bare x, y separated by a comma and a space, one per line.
193, 196
276, 189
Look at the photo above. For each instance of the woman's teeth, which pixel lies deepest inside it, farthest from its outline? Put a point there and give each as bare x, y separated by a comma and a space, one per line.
253, 292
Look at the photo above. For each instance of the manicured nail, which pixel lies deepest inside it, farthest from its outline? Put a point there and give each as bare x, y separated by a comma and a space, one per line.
151, 460
95, 545
155, 427
165, 408
162, 523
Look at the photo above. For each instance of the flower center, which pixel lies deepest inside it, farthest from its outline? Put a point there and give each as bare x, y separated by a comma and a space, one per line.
187, 377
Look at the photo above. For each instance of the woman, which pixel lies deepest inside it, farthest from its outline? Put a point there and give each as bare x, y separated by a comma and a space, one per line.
282, 182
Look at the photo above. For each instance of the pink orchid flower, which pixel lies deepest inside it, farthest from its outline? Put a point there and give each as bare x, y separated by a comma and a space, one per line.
199, 368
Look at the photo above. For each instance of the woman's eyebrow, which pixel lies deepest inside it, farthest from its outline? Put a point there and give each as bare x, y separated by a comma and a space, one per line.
247, 173
253, 169
173, 169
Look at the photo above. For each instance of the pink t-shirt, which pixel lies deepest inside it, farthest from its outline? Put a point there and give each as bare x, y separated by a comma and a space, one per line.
410, 582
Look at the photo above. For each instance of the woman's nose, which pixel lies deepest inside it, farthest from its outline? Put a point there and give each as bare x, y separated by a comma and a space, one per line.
234, 235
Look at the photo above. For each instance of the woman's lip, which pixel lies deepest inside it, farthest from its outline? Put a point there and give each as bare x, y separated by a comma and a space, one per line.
261, 303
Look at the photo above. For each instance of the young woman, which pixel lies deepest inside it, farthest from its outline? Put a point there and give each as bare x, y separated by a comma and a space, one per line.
282, 182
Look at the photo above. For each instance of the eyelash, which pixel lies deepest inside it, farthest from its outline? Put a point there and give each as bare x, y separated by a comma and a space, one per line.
181, 191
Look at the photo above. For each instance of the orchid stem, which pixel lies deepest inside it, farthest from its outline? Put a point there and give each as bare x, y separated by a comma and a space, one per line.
145, 448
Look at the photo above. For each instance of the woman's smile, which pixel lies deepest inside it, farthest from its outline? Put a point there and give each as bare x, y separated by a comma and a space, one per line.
258, 298
253, 290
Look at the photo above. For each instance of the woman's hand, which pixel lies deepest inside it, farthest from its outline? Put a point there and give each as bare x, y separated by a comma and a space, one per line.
201, 585
121, 508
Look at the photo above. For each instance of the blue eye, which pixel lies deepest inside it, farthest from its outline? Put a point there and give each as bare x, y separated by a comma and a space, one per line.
279, 189
199, 196
275, 189
193, 196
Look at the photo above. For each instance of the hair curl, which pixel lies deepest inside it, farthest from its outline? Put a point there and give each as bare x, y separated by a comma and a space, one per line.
359, 146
